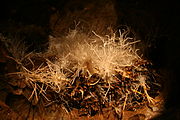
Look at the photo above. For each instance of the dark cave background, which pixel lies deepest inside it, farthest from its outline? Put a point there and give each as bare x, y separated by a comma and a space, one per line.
158, 17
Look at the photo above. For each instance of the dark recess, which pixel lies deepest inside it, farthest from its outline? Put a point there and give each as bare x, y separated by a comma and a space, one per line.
161, 17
